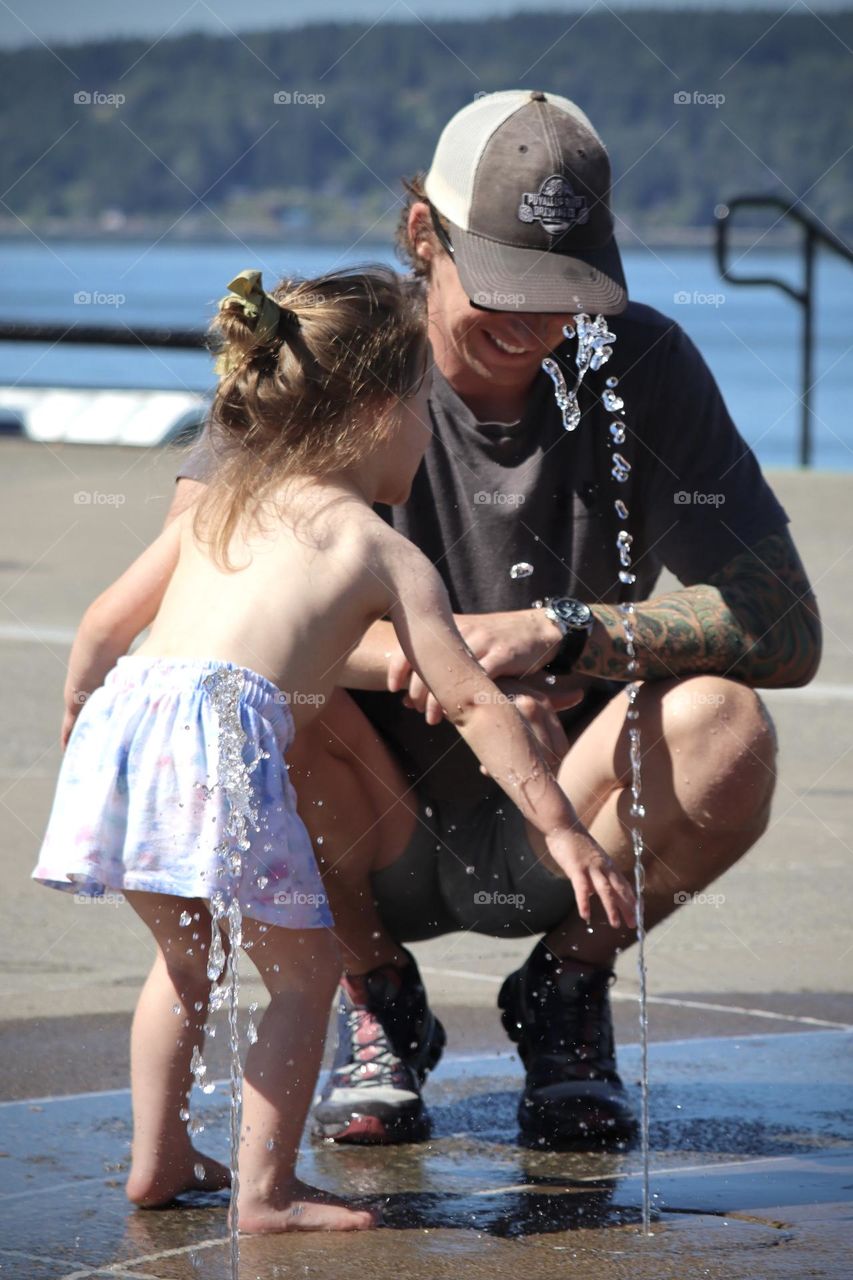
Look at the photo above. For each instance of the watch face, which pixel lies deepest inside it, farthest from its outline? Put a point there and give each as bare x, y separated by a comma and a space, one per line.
574, 613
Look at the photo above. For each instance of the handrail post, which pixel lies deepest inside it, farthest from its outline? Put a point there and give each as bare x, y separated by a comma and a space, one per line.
814, 235
807, 348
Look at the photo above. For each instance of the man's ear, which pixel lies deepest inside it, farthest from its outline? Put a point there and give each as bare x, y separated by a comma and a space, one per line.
420, 231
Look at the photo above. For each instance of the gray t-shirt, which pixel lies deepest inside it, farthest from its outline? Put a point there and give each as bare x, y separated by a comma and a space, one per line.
489, 497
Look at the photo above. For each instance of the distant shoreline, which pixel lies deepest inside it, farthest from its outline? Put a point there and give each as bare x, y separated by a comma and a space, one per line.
672, 239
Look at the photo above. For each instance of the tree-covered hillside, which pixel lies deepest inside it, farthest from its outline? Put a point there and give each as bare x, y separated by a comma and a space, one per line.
693, 107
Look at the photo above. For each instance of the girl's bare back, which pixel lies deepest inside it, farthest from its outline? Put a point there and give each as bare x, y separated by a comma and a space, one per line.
300, 595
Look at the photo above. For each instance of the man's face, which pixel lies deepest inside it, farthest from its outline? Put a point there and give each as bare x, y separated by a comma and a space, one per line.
501, 348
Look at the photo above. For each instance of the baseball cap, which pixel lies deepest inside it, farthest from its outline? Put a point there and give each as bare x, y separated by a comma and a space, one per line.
523, 180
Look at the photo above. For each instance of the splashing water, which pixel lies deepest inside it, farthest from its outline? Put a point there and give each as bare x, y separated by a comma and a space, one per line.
594, 350
225, 687
521, 570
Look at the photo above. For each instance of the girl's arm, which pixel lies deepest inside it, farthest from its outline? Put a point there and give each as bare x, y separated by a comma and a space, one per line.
494, 729
114, 620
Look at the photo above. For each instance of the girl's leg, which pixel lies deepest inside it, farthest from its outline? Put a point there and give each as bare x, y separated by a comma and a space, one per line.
162, 1042
300, 969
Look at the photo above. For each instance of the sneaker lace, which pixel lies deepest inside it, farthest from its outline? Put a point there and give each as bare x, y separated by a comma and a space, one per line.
581, 1026
373, 1059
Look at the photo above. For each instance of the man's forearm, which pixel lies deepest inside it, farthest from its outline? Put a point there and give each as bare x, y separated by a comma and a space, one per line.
684, 633
756, 621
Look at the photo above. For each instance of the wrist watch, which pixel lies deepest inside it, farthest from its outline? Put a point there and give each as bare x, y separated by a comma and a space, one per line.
575, 619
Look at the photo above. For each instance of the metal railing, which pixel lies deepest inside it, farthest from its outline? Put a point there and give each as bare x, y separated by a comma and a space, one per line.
814, 236
102, 335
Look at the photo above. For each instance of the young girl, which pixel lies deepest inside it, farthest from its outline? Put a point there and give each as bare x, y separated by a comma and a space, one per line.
174, 787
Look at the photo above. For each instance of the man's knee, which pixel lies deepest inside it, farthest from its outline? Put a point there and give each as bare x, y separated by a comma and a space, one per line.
722, 730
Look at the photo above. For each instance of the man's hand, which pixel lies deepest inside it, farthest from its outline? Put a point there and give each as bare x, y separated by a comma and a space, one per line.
539, 709
505, 644
536, 701
510, 644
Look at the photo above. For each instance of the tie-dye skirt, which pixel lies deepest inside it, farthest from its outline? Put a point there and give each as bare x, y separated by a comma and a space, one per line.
174, 781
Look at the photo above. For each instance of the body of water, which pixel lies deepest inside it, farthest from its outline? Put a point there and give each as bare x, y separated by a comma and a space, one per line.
749, 336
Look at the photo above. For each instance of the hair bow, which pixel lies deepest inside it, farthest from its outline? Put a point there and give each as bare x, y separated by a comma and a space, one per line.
257, 304
271, 319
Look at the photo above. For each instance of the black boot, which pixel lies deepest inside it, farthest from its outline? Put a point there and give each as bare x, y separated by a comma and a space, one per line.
558, 1013
388, 1039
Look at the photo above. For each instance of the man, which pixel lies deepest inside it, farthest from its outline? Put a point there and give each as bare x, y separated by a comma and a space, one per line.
512, 234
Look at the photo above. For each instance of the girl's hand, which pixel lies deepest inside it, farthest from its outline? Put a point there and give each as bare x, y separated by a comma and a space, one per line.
592, 871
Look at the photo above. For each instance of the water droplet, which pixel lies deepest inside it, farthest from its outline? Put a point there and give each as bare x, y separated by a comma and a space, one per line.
620, 509
621, 468
612, 402
185, 919
198, 1170
521, 570
617, 432
320, 840
567, 401
428, 811
550, 679
469, 871
627, 577
612, 382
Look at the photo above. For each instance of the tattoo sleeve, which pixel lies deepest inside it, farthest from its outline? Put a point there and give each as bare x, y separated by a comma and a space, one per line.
755, 620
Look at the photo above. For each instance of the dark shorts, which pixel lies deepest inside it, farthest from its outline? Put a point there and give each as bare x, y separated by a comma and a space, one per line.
477, 873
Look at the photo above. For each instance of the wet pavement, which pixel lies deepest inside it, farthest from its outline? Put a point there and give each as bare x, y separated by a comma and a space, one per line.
751, 1015
752, 1176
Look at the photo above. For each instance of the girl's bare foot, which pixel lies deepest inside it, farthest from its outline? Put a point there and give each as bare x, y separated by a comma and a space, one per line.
306, 1209
194, 1172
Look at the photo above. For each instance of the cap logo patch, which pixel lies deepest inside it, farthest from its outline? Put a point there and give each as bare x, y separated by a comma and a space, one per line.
555, 205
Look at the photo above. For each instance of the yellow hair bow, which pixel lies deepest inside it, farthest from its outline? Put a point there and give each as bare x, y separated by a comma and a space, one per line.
247, 289
256, 303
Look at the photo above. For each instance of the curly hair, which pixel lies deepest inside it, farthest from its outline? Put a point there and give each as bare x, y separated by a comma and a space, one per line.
406, 247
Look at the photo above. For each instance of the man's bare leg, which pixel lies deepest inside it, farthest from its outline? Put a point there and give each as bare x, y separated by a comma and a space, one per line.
352, 793
360, 812
708, 775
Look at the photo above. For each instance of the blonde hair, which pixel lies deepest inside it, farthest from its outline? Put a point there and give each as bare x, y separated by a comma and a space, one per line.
313, 398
